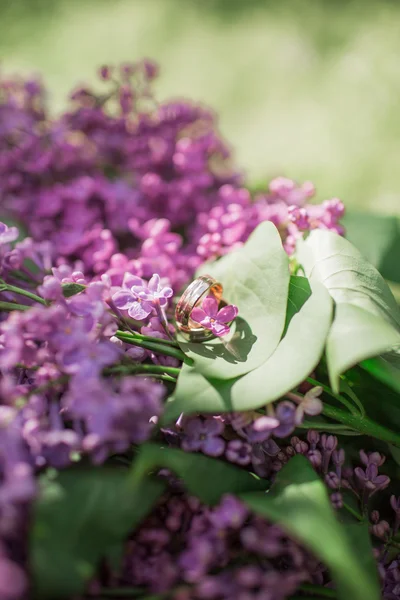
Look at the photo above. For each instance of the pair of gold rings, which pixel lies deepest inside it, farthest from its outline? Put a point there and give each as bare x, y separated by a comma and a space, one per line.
200, 288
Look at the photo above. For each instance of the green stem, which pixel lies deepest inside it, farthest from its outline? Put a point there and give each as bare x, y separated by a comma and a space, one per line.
8, 306
154, 347
21, 292
325, 426
321, 590
353, 512
160, 376
362, 424
149, 338
149, 369
338, 397
352, 395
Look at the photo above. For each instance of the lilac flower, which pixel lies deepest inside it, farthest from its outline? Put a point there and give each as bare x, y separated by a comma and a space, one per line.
129, 299
238, 452
310, 404
155, 292
203, 434
213, 319
8, 234
286, 414
370, 480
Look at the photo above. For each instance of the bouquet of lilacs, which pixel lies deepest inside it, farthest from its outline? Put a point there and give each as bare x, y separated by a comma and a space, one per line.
199, 385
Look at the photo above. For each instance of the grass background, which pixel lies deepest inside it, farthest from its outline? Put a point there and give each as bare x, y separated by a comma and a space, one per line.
305, 88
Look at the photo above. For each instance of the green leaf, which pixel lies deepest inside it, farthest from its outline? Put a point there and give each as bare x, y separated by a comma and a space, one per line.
299, 502
299, 292
78, 517
207, 478
367, 317
386, 369
378, 239
256, 280
296, 356
71, 289
355, 335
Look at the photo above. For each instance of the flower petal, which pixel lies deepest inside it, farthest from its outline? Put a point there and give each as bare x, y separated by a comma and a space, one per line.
219, 329
138, 290
210, 306
227, 314
130, 280
138, 312
166, 292
154, 283
122, 299
198, 314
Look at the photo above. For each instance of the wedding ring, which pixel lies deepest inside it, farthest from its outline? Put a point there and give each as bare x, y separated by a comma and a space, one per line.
200, 288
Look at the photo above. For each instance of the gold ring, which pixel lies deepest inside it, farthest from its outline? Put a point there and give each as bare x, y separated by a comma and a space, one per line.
203, 286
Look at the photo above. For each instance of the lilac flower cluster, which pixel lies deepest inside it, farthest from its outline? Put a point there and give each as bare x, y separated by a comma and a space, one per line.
119, 173
215, 553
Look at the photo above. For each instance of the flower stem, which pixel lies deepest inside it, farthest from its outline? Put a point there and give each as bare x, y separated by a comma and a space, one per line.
362, 424
338, 397
149, 369
326, 426
22, 292
154, 347
8, 306
353, 512
149, 338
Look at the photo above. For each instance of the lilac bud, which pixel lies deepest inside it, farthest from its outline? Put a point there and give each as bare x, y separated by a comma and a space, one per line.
301, 447
315, 458
313, 437
381, 529
374, 516
395, 503
337, 500
328, 442
338, 457
332, 480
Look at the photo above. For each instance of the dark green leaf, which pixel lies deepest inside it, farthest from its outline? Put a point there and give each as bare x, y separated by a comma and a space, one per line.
71, 289
256, 279
386, 369
299, 292
207, 478
78, 517
299, 502
367, 317
296, 356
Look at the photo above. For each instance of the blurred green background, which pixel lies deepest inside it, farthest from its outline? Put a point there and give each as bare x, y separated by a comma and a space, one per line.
305, 88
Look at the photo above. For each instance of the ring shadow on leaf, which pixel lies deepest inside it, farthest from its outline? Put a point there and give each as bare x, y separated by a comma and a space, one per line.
234, 350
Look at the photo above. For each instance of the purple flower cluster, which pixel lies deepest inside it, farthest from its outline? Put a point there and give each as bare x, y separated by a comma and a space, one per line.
119, 173
215, 553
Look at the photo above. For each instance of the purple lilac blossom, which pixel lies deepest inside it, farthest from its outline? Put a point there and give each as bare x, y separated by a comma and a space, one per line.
213, 319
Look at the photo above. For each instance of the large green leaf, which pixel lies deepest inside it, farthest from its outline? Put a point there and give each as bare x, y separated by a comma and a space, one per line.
256, 279
367, 317
296, 356
378, 239
78, 517
299, 502
207, 478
